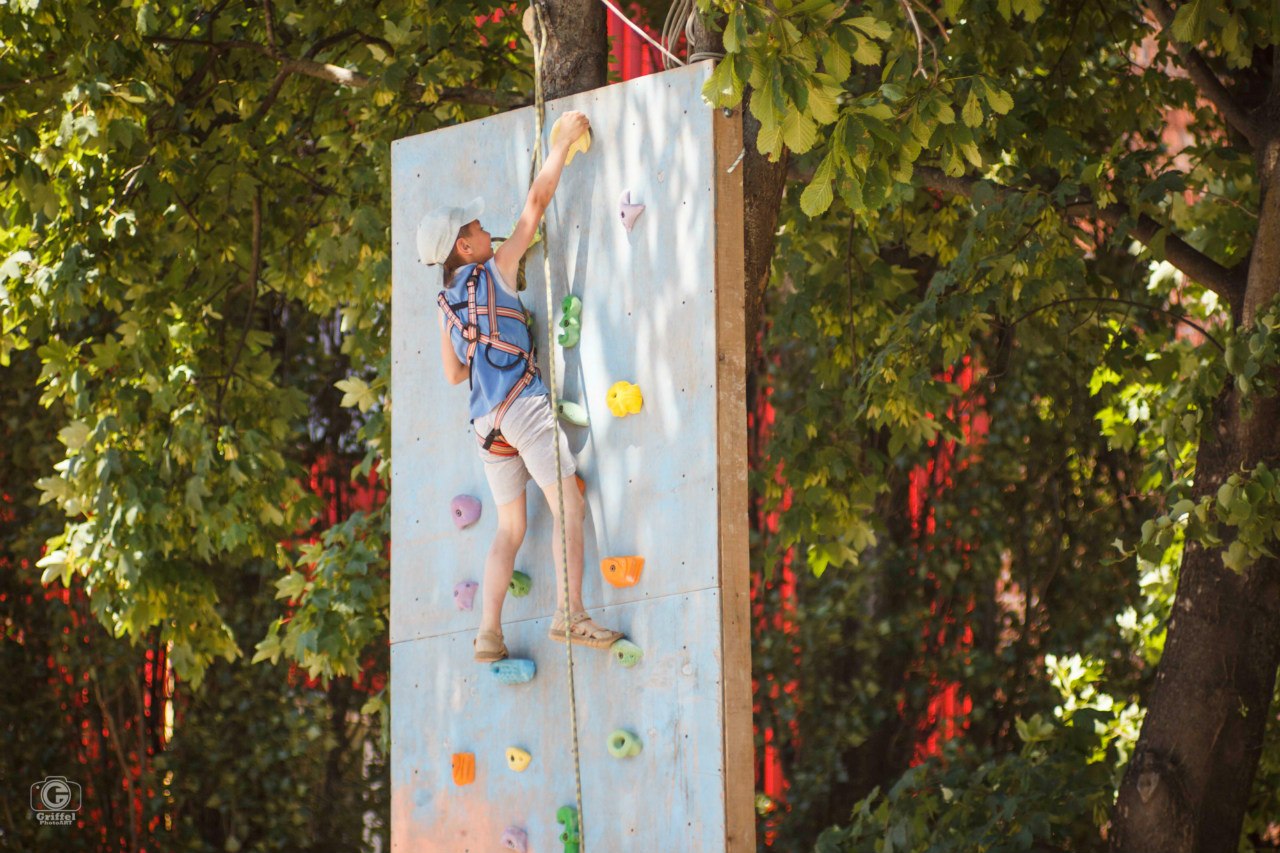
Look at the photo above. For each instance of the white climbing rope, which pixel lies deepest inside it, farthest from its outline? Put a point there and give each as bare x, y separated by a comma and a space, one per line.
539, 45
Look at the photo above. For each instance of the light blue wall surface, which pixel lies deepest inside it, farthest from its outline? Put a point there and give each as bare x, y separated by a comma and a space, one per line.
648, 317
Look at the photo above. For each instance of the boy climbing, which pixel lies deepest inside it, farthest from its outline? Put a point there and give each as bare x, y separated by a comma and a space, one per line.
485, 340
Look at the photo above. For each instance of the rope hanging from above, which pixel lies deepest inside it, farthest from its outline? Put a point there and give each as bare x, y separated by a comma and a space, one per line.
539, 38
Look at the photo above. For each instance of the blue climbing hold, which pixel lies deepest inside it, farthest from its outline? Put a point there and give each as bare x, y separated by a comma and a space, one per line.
513, 670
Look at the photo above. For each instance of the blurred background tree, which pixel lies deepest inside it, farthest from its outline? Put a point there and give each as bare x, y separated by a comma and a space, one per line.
1006, 307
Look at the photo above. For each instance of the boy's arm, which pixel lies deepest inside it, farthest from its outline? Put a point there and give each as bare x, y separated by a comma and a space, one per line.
508, 255
454, 370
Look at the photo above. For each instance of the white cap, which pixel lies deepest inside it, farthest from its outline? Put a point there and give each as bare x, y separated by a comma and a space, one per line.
439, 228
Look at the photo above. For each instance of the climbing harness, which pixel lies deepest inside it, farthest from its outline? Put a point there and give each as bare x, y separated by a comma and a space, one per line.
491, 340
539, 46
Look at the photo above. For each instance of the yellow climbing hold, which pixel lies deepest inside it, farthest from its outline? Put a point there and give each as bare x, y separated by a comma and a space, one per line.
582, 143
518, 759
624, 399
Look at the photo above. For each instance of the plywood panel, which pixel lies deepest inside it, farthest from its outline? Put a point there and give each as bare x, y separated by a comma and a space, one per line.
667, 798
648, 317
658, 306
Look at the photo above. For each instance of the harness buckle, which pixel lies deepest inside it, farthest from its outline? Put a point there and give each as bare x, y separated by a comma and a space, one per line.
470, 332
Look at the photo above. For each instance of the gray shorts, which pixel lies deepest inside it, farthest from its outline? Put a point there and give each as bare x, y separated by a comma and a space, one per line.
529, 427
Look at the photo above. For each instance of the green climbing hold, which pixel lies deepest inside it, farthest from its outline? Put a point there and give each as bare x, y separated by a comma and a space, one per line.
567, 816
520, 584
624, 744
626, 653
571, 334
570, 321
572, 412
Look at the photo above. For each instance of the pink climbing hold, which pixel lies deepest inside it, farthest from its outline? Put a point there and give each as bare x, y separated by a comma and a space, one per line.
629, 212
515, 839
464, 595
466, 510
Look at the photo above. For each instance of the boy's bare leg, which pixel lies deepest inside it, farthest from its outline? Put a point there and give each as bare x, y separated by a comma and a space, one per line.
501, 562
574, 509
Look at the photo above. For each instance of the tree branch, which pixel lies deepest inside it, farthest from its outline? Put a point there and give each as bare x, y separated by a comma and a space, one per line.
325, 71
942, 30
1181, 318
29, 81
1227, 283
484, 97
309, 67
344, 76
272, 93
1206, 81
920, 40
271, 28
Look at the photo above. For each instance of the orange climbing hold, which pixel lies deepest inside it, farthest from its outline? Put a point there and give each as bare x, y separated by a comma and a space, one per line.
622, 571
464, 768
582, 484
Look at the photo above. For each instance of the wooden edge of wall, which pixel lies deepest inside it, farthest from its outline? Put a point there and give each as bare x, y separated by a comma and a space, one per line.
731, 429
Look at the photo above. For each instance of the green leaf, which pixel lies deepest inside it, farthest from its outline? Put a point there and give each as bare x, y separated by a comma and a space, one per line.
146, 21
195, 492
836, 60
1236, 557
799, 132
764, 104
998, 99
356, 393
769, 140
817, 197
1189, 22
291, 585
822, 103
867, 51
872, 27
971, 114
723, 88
735, 31
12, 266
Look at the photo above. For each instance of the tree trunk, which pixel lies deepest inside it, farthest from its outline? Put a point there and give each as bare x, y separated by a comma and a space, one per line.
762, 185
1188, 785
577, 54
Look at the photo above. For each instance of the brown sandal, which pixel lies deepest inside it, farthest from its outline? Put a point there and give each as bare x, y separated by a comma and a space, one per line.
489, 647
587, 637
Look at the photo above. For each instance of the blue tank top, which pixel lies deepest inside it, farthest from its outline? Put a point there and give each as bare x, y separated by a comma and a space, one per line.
493, 373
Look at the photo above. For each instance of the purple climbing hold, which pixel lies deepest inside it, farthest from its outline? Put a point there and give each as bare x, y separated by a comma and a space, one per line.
466, 510
464, 595
629, 212
515, 839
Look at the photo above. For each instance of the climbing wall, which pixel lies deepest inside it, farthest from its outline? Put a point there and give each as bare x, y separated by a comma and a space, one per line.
662, 308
